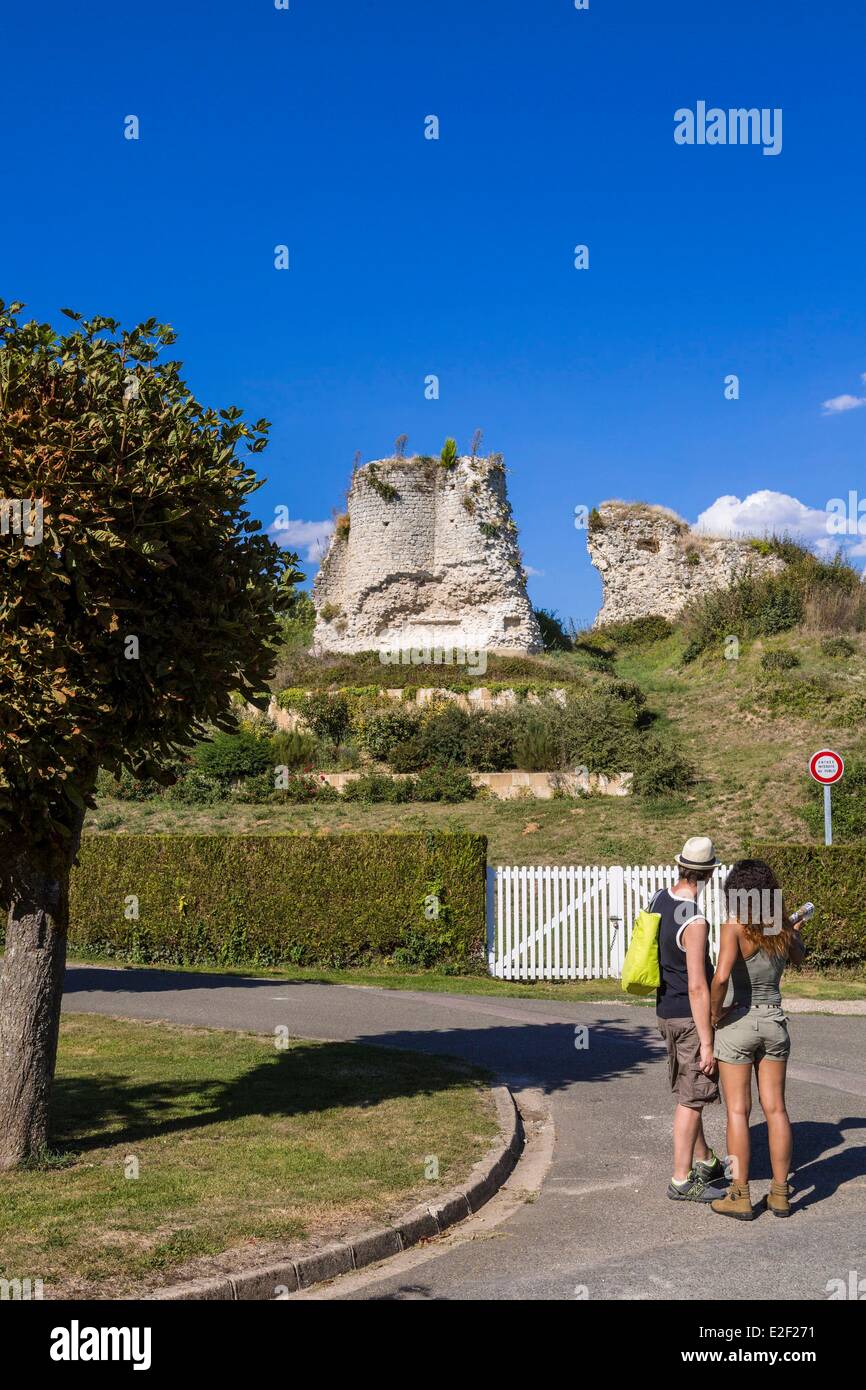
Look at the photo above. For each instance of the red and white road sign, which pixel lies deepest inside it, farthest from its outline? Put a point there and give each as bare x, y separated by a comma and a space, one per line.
826, 766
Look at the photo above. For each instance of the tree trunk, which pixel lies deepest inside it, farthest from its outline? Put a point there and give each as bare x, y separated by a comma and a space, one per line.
31, 989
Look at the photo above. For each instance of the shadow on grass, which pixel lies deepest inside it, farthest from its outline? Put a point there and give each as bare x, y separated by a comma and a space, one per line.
92, 1111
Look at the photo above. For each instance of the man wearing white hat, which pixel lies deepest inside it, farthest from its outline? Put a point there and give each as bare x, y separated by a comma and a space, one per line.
683, 1010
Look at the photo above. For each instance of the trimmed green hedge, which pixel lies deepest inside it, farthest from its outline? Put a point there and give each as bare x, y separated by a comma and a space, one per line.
327, 900
833, 878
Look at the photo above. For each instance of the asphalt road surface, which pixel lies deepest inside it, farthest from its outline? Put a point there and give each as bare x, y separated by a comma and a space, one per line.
601, 1226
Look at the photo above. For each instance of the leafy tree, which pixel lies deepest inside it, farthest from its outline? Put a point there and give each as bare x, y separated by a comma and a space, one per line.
150, 599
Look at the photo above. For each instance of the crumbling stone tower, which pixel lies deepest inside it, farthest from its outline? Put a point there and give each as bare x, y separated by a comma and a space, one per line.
425, 555
652, 562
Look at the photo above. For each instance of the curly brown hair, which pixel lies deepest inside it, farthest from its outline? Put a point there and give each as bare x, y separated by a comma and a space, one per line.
753, 897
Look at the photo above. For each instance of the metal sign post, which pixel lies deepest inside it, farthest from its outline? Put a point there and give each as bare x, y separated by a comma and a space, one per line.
827, 767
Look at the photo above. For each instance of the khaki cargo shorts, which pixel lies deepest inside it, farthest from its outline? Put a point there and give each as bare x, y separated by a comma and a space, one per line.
691, 1087
747, 1035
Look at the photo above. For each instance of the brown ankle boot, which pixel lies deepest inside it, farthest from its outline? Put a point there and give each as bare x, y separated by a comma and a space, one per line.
778, 1199
737, 1202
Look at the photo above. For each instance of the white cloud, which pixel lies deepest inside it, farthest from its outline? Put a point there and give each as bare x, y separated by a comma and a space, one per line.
530, 571
837, 404
762, 512
777, 513
309, 536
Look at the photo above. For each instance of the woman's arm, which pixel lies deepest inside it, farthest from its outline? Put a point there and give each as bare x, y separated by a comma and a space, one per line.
729, 945
796, 949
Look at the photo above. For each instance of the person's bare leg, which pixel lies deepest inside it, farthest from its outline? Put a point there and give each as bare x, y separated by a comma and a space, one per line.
702, 1149
736, 1079
687, 1126
771, 1090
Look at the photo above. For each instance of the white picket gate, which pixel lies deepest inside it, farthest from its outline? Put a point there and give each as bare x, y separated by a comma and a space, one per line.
574, 921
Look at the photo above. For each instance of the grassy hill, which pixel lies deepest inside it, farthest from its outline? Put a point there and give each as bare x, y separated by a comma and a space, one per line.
716, 716
746, 730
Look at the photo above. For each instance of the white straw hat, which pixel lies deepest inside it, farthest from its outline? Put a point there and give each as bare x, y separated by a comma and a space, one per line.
698, 853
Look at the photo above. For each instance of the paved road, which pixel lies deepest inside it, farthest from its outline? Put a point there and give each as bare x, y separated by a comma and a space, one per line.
601, 1226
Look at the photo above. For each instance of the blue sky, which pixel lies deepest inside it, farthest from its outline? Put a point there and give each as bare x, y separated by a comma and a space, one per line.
305, 127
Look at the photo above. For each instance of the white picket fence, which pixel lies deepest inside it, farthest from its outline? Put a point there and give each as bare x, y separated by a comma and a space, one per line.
574, 921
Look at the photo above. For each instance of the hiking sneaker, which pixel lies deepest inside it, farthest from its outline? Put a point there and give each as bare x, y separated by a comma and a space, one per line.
710, 1170
692, 1190
736, 1202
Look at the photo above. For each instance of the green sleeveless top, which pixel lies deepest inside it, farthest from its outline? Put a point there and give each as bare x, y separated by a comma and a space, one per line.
756, 980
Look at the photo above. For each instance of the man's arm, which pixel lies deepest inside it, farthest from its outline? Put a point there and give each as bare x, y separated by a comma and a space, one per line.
694, 939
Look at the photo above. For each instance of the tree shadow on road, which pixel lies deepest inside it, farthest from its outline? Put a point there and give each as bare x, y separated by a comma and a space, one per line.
549, 1056
112, 1108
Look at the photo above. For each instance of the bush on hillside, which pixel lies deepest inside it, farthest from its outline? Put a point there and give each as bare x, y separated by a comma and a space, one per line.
753, 606
805, 697
660, 769
376, 786
293, 749
538, 746
381, 732
327, 713
449, 784
837, 647
227, 757
761, 605
780, 660
553, 634
637, 632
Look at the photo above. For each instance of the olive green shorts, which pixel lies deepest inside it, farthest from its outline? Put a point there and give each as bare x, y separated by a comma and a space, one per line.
747, 1035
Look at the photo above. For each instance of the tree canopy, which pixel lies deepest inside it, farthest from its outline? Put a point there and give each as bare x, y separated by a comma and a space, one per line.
152, 594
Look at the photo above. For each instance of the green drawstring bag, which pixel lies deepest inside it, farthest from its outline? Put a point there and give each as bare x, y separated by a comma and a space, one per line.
640, 970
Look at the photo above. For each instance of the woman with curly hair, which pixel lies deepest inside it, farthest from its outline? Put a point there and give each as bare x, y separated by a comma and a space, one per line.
757, 941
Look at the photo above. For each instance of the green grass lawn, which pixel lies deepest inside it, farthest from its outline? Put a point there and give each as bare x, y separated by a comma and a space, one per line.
240, 1147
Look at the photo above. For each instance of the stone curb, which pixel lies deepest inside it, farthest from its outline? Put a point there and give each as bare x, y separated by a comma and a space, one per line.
423, 1222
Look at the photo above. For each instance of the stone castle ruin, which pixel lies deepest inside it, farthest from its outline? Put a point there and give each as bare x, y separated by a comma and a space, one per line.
652, 563
426, 556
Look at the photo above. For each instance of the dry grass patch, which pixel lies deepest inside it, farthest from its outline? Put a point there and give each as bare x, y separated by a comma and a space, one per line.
242, 1149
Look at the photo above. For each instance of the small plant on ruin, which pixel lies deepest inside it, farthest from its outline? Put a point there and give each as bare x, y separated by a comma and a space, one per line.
400, 446
487, 529
341, 526
475, 446
448, 457
386, 491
